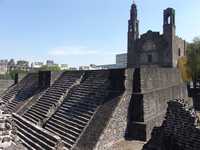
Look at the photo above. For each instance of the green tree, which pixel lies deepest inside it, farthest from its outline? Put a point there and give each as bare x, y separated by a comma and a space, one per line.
193, 55
13, 72
54, 68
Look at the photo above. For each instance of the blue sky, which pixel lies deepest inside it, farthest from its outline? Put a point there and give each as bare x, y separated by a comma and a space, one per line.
81, 32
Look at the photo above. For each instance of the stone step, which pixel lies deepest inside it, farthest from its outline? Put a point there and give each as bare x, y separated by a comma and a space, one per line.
73, 119
91, 101
64, 135
38, 139
85, 111
44, 103
49, 99
84, 116
67, 145
63, 123
88, 87
62, 85
43, 110
39, 107
74, 114
79, 96
90, 110
36, 113
31, 118
27, 142
50, 96
55, 90
71, 134
68, 122
10, 106
14, 102
55, 93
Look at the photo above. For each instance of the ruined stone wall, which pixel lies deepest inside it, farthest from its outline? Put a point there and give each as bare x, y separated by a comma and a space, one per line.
152, 89
180, 126
4, 84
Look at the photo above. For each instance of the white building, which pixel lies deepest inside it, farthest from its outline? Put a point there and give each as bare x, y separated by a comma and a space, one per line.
121, 60
37, 64
84, 68
64, 66
50, 63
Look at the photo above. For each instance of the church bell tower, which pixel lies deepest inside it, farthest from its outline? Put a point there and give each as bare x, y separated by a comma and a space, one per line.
133, 34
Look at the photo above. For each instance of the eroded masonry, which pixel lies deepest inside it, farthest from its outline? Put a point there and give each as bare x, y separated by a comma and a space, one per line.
86, 110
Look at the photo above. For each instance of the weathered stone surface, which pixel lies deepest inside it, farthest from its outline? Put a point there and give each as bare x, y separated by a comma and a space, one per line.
151, 88
178, 130
4, 84
116, 126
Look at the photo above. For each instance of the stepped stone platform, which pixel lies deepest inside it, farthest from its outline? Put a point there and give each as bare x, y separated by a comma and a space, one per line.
51, 98
86, 110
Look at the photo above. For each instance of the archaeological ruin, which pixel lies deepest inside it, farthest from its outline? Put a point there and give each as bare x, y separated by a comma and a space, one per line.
95, 109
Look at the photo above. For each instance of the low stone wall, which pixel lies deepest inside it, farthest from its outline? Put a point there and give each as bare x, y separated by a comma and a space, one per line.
180, 125
151, 89
178, 130
4, 84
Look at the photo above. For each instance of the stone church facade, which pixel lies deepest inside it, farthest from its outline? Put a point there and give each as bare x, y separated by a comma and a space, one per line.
153, 48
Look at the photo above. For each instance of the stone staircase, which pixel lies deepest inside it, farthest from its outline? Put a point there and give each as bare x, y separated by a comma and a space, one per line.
78, 108
49, 101
28, 91
12, 92
34, 137
22, 86
20, 92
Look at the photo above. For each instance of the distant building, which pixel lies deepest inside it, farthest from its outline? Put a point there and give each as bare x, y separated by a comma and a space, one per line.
64, 67
121, 60
73, 68
84, 68
50, 63
3, 66
109, 66
37, 64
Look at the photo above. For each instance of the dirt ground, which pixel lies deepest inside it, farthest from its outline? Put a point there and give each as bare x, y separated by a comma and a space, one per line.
128, 145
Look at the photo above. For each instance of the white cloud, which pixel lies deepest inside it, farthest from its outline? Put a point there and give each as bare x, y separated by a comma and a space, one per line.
79, 50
